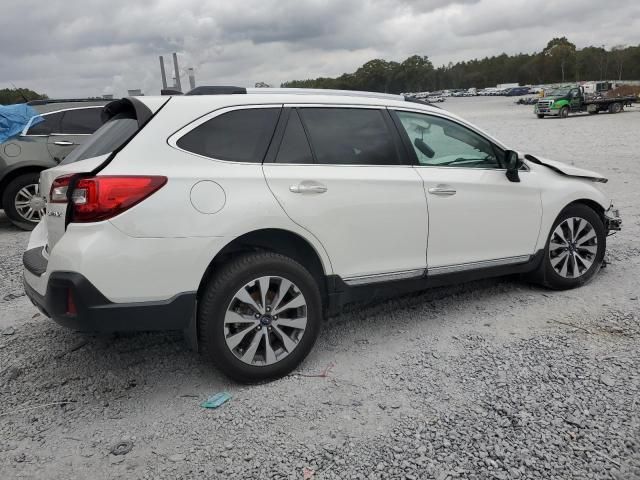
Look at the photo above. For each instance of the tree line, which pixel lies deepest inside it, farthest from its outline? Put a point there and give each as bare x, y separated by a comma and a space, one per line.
10, 96
560, 61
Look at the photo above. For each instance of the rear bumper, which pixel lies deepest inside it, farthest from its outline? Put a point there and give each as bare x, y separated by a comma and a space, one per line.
95, 313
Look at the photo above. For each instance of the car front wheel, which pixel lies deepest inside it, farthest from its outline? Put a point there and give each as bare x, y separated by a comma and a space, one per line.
575, 248
259, 316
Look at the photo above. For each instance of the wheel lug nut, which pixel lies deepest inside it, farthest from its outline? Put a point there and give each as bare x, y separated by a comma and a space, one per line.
257, 315
259, 327
275, 317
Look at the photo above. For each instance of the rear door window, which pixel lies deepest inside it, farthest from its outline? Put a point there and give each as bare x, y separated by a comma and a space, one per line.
350, 136
295, 146
83, 121
51, 124
236, 136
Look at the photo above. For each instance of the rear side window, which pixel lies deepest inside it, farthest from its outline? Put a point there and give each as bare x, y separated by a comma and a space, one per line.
236, 136
294, 147
350, 136
84, 121
51, 124
106, 139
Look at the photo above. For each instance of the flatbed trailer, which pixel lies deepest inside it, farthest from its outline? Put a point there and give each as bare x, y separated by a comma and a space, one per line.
564, 101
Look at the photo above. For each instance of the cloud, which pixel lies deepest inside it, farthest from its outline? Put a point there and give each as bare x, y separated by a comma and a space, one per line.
89, 47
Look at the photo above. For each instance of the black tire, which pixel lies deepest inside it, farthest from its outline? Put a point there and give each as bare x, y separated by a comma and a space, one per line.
615, 107
564, 112
9, 197
540, 115
594, 112
547, 275
220, 291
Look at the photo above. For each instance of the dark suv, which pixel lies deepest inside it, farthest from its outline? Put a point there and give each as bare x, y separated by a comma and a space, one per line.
67, 124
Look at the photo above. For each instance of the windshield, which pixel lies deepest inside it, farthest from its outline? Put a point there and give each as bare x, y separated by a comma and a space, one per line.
558, 92
106, 139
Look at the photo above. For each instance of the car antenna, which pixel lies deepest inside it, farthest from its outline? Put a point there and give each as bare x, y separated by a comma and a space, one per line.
20, 92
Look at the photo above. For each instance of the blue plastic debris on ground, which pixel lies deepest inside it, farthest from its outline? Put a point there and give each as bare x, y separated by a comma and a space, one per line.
13, 119
216, 400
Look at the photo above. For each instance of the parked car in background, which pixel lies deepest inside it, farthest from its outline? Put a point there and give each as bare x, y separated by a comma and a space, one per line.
67, 124
434, 98
517, 91
244, 219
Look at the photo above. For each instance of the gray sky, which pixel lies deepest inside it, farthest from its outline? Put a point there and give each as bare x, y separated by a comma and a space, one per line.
91, 47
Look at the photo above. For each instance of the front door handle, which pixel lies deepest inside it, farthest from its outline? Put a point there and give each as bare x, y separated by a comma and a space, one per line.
308, 187
442, 190
63, 143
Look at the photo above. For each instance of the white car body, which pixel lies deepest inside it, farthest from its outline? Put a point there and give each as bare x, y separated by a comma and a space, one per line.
372, 224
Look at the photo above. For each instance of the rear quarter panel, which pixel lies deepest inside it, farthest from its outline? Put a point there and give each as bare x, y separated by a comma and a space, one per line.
169, 213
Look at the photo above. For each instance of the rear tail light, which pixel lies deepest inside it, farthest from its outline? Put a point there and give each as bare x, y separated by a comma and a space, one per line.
59, 187
94, 199
99, 198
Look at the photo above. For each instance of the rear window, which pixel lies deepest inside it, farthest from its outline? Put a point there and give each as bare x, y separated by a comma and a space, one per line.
236, 136
107, 138
83, 121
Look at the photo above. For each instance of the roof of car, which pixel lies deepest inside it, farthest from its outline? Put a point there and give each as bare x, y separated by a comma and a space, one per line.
240, 95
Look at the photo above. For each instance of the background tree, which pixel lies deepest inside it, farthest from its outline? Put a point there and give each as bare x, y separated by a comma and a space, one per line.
560, 52
619, 53
10, 96
559, 61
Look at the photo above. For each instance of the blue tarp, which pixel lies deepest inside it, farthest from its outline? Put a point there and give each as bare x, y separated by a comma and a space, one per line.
13, 119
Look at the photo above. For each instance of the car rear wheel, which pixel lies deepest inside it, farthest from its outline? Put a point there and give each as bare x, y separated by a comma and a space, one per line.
22, 201
259, 317
575, 248
615, 107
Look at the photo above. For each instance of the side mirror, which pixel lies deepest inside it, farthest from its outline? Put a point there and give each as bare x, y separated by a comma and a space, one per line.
513, 164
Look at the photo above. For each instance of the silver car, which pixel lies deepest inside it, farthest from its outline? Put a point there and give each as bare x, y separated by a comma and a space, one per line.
42, 145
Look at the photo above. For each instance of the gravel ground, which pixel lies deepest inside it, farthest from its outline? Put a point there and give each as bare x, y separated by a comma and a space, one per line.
490, 380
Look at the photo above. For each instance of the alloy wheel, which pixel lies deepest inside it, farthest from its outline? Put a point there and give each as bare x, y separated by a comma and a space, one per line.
29, 204
265, 320
573, 247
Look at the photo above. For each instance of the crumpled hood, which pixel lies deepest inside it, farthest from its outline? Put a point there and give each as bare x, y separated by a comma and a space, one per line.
566, 169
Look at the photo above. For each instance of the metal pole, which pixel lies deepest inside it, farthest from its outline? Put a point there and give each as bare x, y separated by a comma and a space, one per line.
162, 73
192, 78
177, 70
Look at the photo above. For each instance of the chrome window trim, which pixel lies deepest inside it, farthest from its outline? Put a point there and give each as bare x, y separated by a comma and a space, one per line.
463, 267
384, 277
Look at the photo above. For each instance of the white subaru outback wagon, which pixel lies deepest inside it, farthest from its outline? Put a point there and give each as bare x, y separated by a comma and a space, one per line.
244, 217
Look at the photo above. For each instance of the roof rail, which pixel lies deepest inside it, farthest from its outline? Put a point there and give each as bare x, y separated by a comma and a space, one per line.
420, 101
217, 90
228, 90
66, 100
325, 91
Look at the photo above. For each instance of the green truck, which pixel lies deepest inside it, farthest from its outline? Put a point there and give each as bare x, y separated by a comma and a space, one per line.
561, 101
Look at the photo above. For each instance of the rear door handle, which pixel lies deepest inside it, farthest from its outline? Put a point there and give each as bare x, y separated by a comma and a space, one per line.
63, 143
308, 186
442, 190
